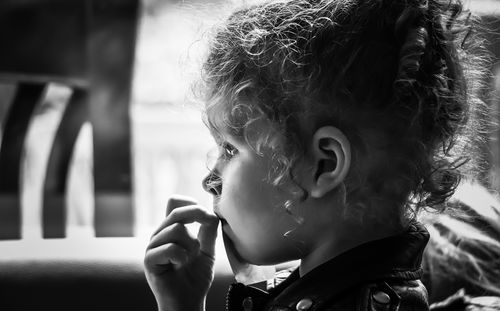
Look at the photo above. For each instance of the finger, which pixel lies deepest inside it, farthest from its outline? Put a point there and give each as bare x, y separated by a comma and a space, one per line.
186, 215
190, 214
167, 254
208, 221
178, 234
178, 200
174, 202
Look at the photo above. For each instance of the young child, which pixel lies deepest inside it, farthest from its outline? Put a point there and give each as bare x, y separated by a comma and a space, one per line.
337, 122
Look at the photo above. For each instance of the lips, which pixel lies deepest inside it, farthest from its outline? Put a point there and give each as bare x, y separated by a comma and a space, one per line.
217, 213
223, 221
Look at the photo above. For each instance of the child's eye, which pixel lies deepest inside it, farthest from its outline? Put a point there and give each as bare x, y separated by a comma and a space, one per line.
228, 150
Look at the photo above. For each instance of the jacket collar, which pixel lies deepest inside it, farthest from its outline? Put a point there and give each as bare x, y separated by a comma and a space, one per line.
397, 256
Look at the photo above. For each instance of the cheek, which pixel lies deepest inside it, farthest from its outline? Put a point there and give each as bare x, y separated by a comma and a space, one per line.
242, 196
242, 183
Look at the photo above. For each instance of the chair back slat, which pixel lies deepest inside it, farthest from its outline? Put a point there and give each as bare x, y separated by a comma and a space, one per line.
55, 186
14, 134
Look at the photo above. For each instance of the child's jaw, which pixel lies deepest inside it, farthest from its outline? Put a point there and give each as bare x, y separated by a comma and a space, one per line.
244, 272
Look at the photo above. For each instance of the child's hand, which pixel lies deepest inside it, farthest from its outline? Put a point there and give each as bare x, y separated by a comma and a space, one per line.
179, 266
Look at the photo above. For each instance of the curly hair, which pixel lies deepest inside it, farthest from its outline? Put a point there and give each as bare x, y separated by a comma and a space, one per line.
399, 78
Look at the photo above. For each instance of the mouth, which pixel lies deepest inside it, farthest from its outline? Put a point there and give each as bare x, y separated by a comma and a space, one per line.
222, 221
217, 213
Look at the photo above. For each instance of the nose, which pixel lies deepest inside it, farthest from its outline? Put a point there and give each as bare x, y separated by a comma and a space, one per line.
212, 183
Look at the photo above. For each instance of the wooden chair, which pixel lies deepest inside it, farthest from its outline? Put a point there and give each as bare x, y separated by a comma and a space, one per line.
87, 45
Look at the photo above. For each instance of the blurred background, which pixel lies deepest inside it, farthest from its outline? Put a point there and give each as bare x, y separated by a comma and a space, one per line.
170, 144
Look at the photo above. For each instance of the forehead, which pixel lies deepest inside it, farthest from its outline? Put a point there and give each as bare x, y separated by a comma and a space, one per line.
220, 127
258, 132
227, 116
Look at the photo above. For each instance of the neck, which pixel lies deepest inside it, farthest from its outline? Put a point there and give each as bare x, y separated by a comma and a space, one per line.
328, 248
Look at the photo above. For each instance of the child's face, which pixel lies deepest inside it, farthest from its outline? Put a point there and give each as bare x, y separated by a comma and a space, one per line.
250, 207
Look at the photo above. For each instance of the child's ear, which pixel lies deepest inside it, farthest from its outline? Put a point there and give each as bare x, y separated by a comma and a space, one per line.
332, 160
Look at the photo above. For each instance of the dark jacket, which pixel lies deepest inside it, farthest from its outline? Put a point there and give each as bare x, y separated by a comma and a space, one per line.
379, 275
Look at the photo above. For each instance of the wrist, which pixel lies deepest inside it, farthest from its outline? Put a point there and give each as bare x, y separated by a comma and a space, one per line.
182, 306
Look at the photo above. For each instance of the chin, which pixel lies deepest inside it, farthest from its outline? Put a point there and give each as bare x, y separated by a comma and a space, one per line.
263, 258
251, 257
